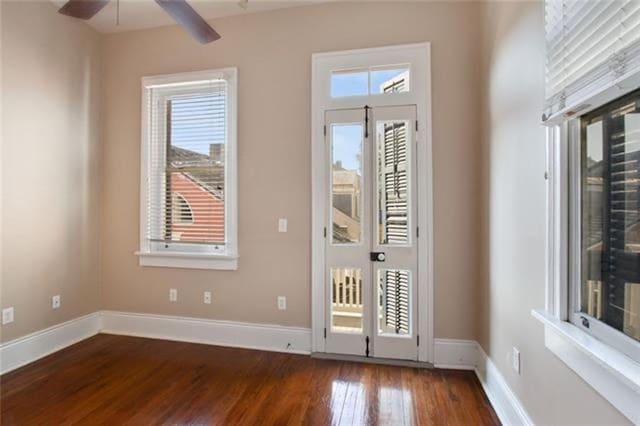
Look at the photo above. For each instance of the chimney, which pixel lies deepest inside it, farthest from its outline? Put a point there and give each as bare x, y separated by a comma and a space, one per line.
216, 152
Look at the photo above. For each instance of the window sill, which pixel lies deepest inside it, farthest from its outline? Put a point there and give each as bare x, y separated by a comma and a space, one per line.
188, 260
611, 373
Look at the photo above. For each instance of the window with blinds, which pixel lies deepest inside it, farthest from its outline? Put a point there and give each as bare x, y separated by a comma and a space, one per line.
186, 147
590, 46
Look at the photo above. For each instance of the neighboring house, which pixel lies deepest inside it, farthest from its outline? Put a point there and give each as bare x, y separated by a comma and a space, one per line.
346, 204
197, 196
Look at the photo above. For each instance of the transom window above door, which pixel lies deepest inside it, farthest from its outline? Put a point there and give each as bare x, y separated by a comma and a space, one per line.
370, 81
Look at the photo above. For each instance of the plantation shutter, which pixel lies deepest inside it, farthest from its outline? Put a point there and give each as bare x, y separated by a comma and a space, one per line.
591, 45
188, 134
394, 175
397, 300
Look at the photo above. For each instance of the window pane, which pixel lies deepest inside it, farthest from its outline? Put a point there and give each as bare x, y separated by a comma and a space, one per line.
611, 218
390, 80
349, 83
346, 300
346, 182
195, 168
391, 181
394, 294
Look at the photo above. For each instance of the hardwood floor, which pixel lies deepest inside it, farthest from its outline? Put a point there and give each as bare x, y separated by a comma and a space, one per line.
127, 380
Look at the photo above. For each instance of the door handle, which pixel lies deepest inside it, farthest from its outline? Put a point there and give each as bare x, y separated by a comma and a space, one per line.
377, 256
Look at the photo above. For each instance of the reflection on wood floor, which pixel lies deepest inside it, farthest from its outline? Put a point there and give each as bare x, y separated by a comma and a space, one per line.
127, 380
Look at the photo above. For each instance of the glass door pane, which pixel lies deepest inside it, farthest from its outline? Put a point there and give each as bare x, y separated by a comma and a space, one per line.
346, 183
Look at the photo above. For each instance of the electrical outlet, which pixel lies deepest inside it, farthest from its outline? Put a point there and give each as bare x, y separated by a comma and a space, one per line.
282, 303
7, 315
282, 224
515, 360
56, 301
207, 297
173, 295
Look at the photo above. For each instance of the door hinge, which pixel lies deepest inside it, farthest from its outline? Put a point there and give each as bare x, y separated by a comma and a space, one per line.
417, 232
324, 130
325, 332
366, 352
418, 340
324, 232
416, 125
366, 121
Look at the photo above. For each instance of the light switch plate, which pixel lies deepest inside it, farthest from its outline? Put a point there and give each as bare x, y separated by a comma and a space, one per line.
282, 303
173, 295
56, 301
282, 224
207, 297
7, 315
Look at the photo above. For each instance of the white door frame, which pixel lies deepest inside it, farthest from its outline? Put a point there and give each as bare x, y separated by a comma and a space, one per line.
418, 58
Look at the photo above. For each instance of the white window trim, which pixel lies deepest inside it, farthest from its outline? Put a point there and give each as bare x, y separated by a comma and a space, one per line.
418, 56
180, 259
609, 371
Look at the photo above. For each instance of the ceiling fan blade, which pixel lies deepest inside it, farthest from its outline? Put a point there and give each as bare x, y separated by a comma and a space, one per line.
82, 9
189, 20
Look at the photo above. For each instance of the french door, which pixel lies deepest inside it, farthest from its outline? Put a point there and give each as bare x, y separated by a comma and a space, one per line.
370, 244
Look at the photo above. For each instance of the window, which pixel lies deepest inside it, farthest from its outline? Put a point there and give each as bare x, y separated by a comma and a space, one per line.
607, 284
370, 81
591, 111
188, 171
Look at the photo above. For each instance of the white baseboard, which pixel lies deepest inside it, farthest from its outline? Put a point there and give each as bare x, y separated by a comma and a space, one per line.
455, 354
197, 330
469, 355
26, 349
507, 405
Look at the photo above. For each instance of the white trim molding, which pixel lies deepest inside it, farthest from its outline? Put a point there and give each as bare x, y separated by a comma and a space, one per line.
455, 354
612, 374
24, 350
276, 338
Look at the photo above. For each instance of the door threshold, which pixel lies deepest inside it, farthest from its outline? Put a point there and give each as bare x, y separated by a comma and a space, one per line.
370, 360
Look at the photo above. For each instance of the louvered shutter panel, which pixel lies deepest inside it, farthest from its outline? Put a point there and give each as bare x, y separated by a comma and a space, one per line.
396, 293
590, 46
394, 175
188, 133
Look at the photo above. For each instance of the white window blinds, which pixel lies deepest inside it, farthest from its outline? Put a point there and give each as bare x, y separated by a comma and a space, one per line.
187, 138
591, 45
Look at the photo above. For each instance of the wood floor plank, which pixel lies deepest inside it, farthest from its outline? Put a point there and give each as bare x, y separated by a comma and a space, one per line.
110, 379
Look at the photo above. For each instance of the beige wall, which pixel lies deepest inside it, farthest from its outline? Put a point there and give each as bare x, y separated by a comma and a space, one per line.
50, 169
514, 221
273, 54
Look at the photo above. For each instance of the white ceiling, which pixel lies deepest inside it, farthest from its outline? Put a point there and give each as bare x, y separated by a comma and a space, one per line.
138, 14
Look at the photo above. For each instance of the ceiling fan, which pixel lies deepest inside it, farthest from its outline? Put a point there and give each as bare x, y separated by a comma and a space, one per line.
179, 10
